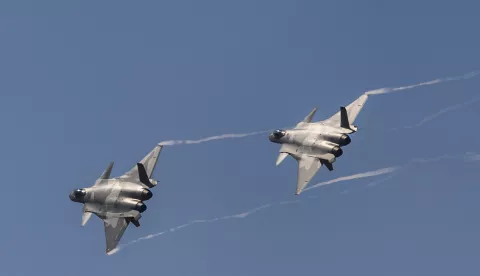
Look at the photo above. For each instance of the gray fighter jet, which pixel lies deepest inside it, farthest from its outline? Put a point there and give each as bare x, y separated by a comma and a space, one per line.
314, 144
120, 200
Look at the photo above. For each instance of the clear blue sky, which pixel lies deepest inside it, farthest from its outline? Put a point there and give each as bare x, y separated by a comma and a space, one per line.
84, 83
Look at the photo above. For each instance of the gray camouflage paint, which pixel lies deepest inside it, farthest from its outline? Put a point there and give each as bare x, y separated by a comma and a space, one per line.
314, 144
118, 201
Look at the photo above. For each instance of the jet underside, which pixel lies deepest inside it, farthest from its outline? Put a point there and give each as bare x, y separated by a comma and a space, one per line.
121, 200
314, 144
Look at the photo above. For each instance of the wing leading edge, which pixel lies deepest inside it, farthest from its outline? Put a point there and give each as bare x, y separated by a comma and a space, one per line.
352, 109
149, 162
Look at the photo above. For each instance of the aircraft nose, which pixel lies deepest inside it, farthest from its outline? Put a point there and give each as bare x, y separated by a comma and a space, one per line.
272, 138
71, 196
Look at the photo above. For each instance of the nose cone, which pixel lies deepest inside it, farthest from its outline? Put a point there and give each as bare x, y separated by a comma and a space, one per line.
272, 138
77, 195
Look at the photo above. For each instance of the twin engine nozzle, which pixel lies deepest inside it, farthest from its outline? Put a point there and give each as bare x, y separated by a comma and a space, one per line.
338, 138
141, 207
146, 194
336, 151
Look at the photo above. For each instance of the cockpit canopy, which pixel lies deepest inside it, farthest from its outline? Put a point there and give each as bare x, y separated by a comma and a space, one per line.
278, 133
79, 193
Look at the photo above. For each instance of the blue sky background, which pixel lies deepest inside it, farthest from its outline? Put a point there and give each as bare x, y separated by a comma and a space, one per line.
84, 83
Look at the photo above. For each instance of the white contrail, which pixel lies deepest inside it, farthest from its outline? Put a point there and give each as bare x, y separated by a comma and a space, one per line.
472, 156
387, 170
371, 92
439, 113
469, 156
211, 138
252, 211
354, 176
235, 216
375, 183
386, 90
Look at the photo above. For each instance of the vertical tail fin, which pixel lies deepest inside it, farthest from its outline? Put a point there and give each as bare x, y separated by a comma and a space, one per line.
107, 172
309, 117
143, 176
344, 123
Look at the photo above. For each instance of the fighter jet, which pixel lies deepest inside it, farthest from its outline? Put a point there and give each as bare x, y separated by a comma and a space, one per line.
120, 200
314, 144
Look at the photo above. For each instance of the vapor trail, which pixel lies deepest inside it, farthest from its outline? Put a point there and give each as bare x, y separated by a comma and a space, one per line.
235, 216
472, 156
468, 157
254, 210
211, 138
386, 90
354, 176
439, 113
371, 92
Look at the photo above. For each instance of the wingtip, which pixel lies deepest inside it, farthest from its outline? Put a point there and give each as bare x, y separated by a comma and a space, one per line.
110, 252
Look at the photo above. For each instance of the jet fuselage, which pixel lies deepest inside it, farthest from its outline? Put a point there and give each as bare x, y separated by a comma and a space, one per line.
113, 196
328, 139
